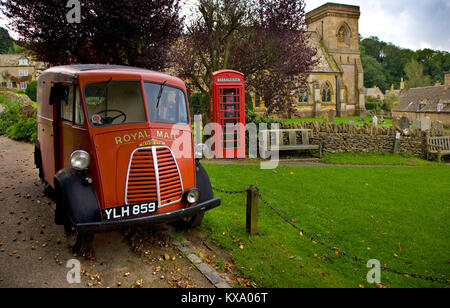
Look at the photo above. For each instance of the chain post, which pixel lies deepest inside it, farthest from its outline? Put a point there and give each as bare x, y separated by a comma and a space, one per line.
252, 210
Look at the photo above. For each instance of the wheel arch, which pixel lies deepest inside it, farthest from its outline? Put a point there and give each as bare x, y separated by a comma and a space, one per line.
75, 198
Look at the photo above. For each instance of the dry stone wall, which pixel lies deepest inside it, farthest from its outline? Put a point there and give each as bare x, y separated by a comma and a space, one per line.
338, 138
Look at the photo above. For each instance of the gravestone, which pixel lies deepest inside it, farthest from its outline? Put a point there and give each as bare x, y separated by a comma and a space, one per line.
395, 122
332, 116
404, 122
382, 121
425, 123
416, 124
361, 115
324, 116
438, 125
351, 121
375, 120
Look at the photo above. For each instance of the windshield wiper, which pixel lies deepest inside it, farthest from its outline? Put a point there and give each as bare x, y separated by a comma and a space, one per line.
160, 93
108, 83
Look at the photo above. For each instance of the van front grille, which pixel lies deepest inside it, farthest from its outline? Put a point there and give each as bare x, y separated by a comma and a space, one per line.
153, 175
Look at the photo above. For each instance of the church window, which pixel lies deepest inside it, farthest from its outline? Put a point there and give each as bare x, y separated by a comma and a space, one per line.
326, 92
303, 95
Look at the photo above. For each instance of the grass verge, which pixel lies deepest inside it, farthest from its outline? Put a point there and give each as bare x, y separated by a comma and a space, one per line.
403, 159
398, 216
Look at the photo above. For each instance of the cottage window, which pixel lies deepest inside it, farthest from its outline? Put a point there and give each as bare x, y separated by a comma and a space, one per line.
23, 73
23, 62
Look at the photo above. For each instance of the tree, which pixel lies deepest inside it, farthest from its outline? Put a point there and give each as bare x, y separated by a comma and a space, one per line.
373, 72
6, 43
415, 76
31, 90
263, 39
133, 32
373, 47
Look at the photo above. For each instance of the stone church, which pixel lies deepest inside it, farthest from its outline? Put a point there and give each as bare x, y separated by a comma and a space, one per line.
337, 80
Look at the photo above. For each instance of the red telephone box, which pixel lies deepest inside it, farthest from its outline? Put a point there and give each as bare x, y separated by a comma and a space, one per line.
228, 110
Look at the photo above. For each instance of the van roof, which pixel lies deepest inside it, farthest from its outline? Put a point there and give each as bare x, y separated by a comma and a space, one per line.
81, 69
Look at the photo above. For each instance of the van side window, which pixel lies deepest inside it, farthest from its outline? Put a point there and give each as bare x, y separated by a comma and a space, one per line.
79, 114
67, 103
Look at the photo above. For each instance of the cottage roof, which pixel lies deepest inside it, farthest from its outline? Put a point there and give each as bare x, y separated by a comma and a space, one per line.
425, 99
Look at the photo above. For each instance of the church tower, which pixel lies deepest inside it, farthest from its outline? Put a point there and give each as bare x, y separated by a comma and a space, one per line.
337, 26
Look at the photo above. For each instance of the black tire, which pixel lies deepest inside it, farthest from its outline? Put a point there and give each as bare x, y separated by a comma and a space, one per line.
47, 189
80, 243
206, 193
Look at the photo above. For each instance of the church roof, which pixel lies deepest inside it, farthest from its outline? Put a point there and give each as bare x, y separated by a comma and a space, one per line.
325, 63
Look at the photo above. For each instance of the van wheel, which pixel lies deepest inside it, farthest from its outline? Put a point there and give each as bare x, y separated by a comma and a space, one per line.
81, 243
206, 193
47, 189
190, 222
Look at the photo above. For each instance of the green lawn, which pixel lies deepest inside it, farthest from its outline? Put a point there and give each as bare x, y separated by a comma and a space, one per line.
337, 121
398, 215
390, 159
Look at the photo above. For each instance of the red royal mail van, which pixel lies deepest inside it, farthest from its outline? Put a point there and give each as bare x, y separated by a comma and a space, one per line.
115, 146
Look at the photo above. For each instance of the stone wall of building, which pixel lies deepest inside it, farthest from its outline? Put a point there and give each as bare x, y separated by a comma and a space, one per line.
338, 138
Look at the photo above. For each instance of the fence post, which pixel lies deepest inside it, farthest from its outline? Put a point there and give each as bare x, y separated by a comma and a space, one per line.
252, 210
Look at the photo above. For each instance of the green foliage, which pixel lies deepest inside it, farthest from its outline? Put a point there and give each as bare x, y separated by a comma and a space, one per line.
14, 125
198, 103
253, 117
372, 106
373, 72
392, 62
23, 129
414, 74
248, 102
373, 103
6, 43
31, 90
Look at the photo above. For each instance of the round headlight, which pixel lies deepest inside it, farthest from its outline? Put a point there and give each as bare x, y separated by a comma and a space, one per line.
80, 160
192, 196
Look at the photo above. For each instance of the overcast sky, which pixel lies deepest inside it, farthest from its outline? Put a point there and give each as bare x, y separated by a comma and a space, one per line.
414, 24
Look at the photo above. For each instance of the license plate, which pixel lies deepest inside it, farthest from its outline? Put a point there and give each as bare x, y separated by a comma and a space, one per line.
128, 211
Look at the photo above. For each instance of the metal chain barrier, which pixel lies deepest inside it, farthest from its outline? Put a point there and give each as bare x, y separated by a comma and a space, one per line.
335, 249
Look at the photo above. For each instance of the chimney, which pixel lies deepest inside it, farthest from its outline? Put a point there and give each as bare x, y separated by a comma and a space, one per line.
402, 84
447, 81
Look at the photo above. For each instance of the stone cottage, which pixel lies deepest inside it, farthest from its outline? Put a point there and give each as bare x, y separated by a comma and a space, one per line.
432, 102
16, 71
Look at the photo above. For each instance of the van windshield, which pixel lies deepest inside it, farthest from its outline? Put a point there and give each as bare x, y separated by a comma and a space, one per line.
114, 102
172, 108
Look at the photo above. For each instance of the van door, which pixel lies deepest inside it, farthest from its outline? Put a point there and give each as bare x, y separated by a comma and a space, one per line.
65, 122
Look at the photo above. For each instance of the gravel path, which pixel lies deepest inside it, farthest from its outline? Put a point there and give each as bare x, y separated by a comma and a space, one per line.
34, 251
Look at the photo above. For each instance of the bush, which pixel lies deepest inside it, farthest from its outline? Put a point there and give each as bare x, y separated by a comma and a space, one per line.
248, 102
371, 106
24, 130
15, 125
31, 90
198, 103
